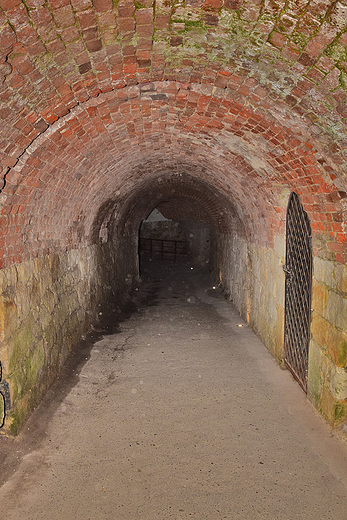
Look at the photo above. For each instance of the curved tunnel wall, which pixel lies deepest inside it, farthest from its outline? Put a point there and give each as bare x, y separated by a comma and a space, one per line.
242, 101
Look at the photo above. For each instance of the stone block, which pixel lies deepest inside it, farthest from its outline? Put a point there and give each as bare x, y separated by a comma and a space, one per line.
337, 347
37, 361
320, 329
327, 406
278, 333
335, 380
340, 411
336, 310
320, 295
314, 377
8, 318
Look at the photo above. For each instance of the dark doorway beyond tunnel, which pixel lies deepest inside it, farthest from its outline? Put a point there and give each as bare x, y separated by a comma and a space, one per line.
163, 239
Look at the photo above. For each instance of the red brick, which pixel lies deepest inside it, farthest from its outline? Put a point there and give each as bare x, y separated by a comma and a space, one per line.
213, 4
318, 44
61, 59
210, 18
22, 63
126, 9
144, 16
336, 247
162, 21
102, 6
90, 34
56, 4
41, 16
18, 16
277, 39
81, 5
87, 19
64, 16
94, 45
9, 4
27, 35
55, 47
145, 31
315, 75
127, 25
232, 4
7, 37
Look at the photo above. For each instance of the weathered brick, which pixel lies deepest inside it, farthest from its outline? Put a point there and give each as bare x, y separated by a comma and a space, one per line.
277, 39
81, 5
56, 4
145, 31
41, 16
162, 21
144, 16
69, 34
126, 9
94, 45
128, 25
87, 19
18, 16
64, 16
7, 38
9, 4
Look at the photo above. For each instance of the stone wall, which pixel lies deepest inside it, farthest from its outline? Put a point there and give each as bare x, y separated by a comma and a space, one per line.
253, 279
46, 305
327, 381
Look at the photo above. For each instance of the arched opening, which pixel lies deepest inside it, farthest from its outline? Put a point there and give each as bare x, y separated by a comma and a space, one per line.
166, 239
171, 218
73, 203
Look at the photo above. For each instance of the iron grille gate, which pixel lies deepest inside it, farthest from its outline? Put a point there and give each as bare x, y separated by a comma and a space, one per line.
298, 271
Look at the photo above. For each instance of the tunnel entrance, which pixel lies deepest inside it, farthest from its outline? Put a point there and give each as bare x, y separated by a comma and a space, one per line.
162, 239
298, 270
172, 240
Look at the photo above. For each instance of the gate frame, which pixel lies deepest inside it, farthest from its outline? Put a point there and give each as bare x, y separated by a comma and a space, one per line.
288, 273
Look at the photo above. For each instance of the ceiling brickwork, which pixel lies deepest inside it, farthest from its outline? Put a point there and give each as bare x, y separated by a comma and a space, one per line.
97, 96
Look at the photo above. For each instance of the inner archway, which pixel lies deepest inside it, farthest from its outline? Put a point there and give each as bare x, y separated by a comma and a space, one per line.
73, 202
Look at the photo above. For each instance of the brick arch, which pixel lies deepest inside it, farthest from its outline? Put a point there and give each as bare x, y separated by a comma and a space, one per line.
106, 146
58, 54
177, 196
100, 98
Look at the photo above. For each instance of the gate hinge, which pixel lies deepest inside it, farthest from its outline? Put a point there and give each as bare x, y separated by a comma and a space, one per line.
288, 272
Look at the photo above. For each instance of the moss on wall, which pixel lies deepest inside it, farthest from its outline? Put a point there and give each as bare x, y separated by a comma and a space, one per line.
253, 278
328, 350
46, 305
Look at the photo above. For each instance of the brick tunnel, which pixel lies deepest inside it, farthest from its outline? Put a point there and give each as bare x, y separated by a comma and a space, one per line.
217, 113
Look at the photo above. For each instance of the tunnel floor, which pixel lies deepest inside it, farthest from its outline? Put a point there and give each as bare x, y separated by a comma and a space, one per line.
179, 413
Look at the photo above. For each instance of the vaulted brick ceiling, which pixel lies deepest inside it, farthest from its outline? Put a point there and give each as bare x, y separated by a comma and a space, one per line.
99, 100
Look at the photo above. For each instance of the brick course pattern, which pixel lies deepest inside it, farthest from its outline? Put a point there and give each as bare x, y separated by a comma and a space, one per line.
248, 96
211, 109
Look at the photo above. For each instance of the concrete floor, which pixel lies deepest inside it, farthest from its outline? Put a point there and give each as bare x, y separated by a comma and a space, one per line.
179, 413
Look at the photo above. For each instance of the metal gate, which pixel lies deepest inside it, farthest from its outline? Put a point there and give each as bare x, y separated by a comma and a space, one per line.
298, 271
